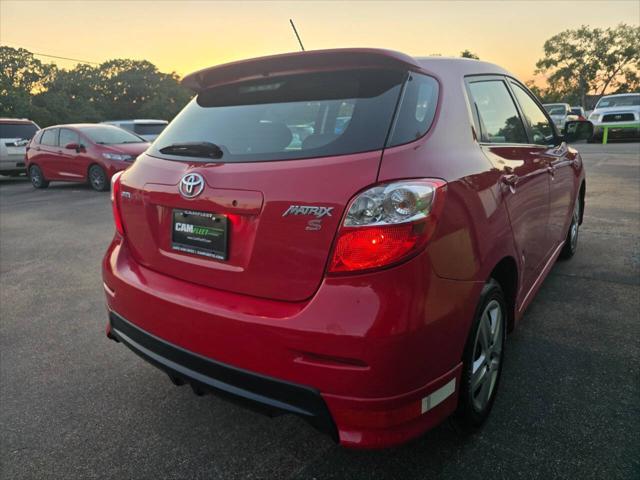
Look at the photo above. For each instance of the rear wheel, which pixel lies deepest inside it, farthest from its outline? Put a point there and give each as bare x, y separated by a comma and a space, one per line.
98, 178
571, 242
482, 360
37, 178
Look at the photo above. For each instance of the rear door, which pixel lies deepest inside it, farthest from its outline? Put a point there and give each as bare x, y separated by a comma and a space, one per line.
524, 177
275, 197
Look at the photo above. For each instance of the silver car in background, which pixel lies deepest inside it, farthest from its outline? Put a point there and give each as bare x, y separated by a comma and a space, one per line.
15, 134
560, 113
145, 128
619, 113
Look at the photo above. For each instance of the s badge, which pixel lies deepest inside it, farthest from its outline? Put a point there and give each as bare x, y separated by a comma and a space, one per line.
314, 225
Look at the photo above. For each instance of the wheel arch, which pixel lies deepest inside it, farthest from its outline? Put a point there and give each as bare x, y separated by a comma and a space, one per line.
581, 195
96, 164
506, 274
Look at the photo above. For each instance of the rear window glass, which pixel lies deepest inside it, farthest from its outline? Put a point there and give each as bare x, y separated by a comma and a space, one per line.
149, 128
302, 116
23, 131
556, 109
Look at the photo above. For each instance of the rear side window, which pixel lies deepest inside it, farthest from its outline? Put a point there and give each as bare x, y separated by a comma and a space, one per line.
497, 114
50, 137
417, 109
301, 116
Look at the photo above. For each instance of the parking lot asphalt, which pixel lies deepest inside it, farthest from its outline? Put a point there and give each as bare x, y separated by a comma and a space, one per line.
76, 405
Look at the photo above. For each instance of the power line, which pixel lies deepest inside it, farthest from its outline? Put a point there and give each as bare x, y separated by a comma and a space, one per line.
64, 58
60, 58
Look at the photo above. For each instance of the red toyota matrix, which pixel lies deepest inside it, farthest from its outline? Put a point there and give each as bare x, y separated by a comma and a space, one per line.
345, 235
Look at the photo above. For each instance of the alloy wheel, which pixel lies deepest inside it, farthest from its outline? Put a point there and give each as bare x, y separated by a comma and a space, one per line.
36, 177
487, 355
575, 224
96, 177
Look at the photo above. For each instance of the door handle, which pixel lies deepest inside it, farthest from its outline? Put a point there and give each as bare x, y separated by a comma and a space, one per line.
551, 170
510, 181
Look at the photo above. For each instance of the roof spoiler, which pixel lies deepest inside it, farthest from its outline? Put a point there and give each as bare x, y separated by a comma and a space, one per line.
296, 63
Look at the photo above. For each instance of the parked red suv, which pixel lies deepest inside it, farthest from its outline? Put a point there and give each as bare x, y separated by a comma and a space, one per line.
81, 153
346, 235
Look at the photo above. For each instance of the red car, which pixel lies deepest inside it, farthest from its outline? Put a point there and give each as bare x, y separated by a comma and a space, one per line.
346, 235
81, 153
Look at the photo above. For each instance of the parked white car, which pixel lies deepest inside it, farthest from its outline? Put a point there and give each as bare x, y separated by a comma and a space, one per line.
617, 110
15, 134
147, 129
560, 113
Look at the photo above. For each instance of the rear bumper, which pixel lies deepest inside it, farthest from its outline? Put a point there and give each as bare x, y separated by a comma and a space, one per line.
14, 163
379, 352
203, 374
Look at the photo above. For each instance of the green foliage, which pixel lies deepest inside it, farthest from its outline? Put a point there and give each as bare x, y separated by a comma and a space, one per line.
116, 89
469, 54
590, 61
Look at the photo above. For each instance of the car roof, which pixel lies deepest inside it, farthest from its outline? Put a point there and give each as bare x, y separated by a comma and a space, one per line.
80, 125
557, 103
620, 95
334, 59
20, 121
137, 120
461, 66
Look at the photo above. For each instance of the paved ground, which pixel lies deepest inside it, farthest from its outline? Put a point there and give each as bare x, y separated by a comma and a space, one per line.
74, 405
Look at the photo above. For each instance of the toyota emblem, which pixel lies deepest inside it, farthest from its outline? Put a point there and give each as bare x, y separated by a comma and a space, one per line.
191, 185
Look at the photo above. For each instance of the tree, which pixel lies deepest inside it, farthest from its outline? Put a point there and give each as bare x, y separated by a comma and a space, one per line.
621, 60
591, 60
469, 54
116, 89
21, 74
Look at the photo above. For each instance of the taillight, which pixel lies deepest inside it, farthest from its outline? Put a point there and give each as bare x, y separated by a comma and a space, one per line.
387, 224
115, 201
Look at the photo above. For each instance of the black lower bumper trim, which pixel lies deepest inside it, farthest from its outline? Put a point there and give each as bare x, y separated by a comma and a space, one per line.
264, 393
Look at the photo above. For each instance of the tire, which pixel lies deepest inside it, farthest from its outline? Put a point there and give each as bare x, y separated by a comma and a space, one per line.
483, 359
37, 177
571, 242
98, 178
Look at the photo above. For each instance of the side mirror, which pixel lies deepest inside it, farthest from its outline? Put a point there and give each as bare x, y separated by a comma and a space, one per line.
74, 146
577, 130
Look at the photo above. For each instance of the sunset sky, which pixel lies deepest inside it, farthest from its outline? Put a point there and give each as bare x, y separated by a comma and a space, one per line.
185, 36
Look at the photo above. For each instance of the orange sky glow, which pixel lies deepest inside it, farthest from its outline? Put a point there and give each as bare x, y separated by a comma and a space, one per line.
184, 36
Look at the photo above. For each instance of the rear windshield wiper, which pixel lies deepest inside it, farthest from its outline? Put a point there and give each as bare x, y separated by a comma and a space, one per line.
193, 149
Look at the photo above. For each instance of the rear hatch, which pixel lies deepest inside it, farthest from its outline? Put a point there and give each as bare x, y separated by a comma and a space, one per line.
14, 138
245, 189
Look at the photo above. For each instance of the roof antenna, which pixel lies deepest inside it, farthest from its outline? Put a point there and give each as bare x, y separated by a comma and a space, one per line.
296, 32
